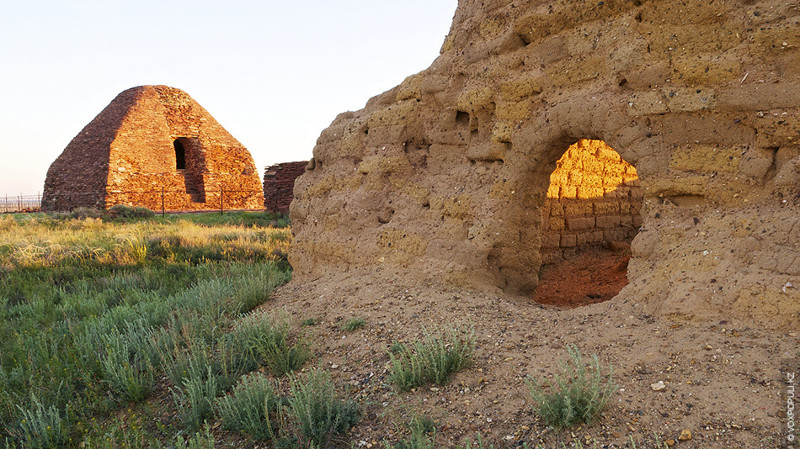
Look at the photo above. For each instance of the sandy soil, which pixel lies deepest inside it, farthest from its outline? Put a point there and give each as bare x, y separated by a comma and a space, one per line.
725, 382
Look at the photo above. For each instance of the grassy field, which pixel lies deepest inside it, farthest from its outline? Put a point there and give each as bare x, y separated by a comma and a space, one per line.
99, 316
128, 330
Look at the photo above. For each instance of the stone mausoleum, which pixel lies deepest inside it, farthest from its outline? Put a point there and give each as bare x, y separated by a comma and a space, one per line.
153, 146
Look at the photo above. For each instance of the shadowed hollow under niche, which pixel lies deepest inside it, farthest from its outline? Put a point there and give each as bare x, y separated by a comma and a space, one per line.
589, 218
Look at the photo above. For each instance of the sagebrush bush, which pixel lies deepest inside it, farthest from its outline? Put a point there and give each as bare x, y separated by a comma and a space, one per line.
268, 340
181, 362
195, 400
41, 427
576, 395
432, 359
248, 407
199, 440
231, 361
314, 412
127, 361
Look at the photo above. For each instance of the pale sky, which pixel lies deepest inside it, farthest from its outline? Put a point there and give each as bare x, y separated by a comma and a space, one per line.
273, 73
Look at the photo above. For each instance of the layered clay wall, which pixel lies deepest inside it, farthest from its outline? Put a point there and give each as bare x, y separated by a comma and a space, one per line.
594, 199
154, 146
445, 176
279, 185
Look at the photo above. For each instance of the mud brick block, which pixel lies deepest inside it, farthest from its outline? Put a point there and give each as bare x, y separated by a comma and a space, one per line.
551, 241
557, 224
580, 223
568, 240
584, 238
577, 208
608, 221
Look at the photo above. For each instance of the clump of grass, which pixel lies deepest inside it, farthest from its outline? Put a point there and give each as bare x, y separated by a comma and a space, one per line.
479, 444
314, 412
353, 324
577, 395
248, 407
433, 359
199, 440
128, 433
122, 211
309, 322
126, 362
267, 339
423, 431
397, 348
181, 363
195, 401
41, 426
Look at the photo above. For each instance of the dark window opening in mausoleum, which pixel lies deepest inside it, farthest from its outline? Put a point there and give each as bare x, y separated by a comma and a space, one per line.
180, 155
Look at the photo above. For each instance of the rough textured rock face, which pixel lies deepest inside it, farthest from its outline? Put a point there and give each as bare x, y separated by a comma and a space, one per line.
279, 184
149, 140
447, 174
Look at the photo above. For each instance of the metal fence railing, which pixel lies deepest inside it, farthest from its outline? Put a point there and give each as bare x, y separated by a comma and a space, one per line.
20, 203
157, 200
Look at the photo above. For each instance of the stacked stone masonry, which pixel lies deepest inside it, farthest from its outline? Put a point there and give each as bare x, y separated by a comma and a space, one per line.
594, 198
279, 185
155, 147
445, 176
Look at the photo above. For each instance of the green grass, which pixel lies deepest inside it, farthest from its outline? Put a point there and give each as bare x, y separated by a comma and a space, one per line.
576, 395
309, 322
267, 340
199, 440
41, 426
353, 324
314, 412
249, 406
397, 348
194, 400
93, 311
432, 359
422, 435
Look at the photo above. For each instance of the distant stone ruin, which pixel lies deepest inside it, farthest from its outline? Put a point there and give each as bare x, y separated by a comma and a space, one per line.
279, 185
153, 146
448, 176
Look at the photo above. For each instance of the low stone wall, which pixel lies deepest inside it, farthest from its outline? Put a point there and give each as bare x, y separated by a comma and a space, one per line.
279, 185
594, 198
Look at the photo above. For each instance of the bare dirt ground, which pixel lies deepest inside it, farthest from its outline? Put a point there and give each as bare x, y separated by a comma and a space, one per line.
593, 276
724, 381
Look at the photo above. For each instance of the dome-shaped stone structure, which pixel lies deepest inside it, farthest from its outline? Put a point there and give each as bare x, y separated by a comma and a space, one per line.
153, 146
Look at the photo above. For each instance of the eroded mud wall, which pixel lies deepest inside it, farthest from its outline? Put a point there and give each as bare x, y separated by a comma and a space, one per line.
445, 175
